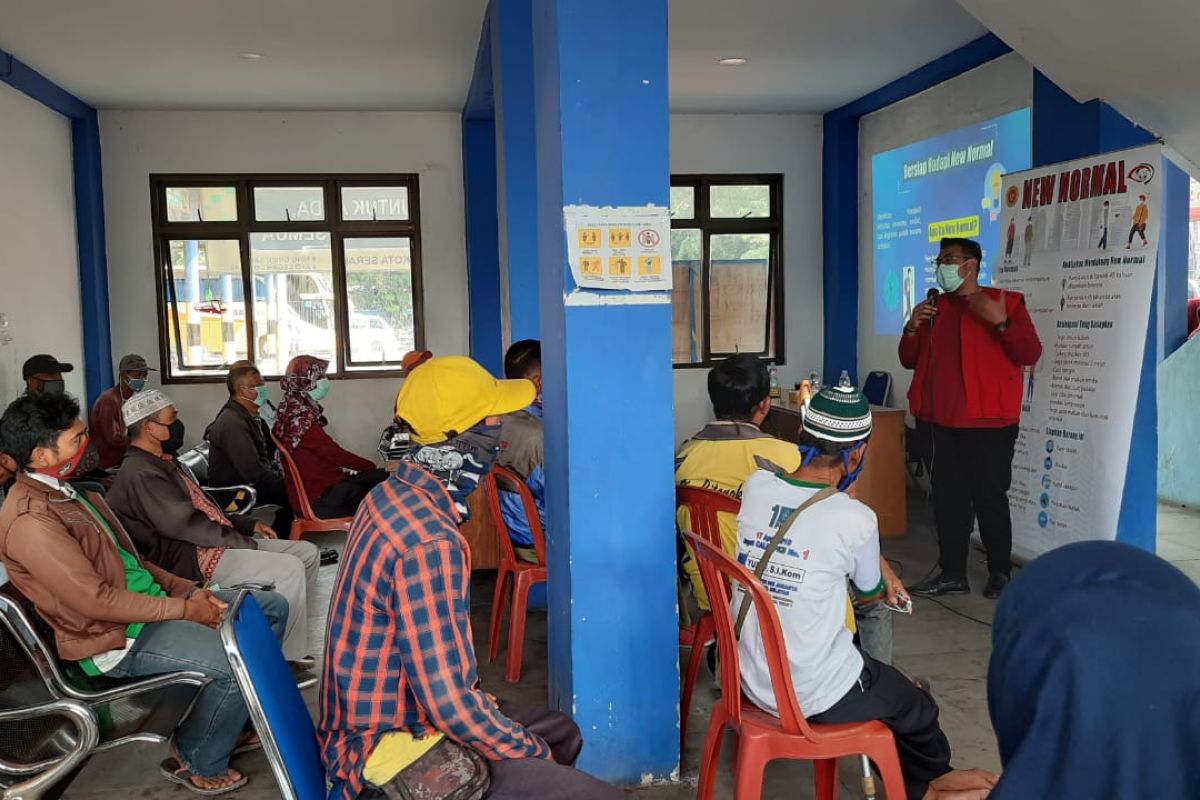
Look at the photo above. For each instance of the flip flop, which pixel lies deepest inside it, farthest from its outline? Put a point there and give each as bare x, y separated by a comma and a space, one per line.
173, 770
248, 742
328, 556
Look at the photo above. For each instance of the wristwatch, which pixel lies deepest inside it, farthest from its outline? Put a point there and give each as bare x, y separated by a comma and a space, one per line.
1001, 327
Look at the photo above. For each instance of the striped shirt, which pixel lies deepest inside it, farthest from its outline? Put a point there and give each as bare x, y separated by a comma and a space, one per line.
398, 651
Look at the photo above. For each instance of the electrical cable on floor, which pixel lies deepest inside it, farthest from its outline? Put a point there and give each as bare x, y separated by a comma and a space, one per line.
898, 568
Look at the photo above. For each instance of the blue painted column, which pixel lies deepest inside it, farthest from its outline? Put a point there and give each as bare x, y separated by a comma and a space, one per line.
1062, 130
93, 255
602, 139
516, 167
483, 264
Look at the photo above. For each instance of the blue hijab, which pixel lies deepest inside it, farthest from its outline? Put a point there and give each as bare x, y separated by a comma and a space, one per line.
1094, 681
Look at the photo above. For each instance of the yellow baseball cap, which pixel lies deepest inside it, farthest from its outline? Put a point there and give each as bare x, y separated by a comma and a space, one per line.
451, 394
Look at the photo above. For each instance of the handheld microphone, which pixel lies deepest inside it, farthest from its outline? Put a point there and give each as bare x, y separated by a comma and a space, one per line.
932, 296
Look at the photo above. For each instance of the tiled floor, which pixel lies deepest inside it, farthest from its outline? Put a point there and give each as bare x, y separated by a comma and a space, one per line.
948, 642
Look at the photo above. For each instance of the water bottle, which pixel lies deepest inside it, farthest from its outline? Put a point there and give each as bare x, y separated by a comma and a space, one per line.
775, 391
844, 380
814, 381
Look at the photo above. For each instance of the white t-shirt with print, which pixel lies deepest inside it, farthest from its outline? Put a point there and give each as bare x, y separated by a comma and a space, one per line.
835, 539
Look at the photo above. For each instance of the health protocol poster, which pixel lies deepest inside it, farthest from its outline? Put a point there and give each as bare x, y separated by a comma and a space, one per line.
948, 185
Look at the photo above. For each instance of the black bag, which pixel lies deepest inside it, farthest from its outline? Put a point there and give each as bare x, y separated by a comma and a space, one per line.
448, 771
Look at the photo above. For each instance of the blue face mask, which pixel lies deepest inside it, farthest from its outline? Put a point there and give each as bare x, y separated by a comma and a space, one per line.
137, 384
320, 391
809, 453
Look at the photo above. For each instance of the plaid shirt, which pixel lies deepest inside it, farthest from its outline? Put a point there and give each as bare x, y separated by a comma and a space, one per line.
398, 654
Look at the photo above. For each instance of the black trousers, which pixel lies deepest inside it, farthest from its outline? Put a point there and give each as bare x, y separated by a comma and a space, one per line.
274, 493
972, 470
523, 778
883, 694
342, 499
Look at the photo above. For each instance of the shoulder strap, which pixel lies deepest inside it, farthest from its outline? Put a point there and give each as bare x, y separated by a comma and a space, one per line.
772, 546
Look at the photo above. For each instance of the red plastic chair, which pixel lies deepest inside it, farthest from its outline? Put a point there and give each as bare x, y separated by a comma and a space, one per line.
703, 505
524, 574
762, 737
305, 521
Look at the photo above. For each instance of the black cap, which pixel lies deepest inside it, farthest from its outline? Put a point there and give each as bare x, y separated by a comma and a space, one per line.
44, 365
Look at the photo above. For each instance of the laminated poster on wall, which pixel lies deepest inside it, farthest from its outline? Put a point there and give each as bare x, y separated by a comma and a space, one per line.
1080, 241
624, 248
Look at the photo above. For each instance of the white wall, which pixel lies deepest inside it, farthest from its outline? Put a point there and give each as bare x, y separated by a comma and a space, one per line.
138, 143
39, 262
789, 144
996, 88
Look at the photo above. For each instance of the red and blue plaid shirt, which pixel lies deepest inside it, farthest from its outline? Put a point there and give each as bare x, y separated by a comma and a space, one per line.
398, 651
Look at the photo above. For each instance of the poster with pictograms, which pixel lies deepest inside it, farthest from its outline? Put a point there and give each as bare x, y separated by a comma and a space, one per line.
623, 248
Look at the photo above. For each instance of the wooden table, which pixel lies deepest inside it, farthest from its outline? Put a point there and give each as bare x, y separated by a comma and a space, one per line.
882, 482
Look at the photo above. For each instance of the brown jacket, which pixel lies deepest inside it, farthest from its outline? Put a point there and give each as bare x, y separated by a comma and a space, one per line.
69, 567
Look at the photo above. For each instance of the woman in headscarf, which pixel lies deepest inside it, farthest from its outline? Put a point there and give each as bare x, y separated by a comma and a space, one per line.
335, 479
1092, 685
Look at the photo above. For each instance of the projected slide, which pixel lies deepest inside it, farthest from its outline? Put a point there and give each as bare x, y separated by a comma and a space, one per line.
945, 186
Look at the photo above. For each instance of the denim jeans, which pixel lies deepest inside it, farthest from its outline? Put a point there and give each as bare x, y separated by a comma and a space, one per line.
208, 735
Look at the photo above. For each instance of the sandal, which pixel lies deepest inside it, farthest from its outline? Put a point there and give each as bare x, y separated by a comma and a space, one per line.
248, 742
173, 770
328, 556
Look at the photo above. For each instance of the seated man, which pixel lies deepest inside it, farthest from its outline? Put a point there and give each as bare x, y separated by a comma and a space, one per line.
105, 422
724, 453
834, 540
239, 451
43, 374
399, 665
323, 464
177, 526
112, 612
522, 448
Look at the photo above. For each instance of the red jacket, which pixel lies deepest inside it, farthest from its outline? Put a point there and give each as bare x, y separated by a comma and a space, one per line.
322, 463
107, 427
990, 364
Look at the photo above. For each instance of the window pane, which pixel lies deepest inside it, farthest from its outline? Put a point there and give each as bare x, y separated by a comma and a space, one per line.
683, 202
379, 291
367, 203
687, 296
293, 298
739, 267
206, 308
202, 204
289, 203
739, 202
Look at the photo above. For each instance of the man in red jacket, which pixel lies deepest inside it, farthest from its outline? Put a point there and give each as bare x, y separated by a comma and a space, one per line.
968, 347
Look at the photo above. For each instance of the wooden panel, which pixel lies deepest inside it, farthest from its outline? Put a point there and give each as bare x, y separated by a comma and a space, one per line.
882, 482
480, 533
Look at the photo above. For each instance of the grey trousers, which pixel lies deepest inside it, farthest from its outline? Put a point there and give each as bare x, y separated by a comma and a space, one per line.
874, 622
292, 567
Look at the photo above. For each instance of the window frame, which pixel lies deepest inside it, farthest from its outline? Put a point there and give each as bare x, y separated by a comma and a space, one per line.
772, 224
163, 232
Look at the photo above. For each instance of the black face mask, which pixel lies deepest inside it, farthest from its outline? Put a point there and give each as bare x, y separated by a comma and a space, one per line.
53, 387
175, 442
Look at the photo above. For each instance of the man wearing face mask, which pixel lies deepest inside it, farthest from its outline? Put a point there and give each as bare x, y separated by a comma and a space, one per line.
238, 452
177, 526
399, 665
43, 374
112, 612
968, 347
105, 422
522, 447
323, 464
833, 540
